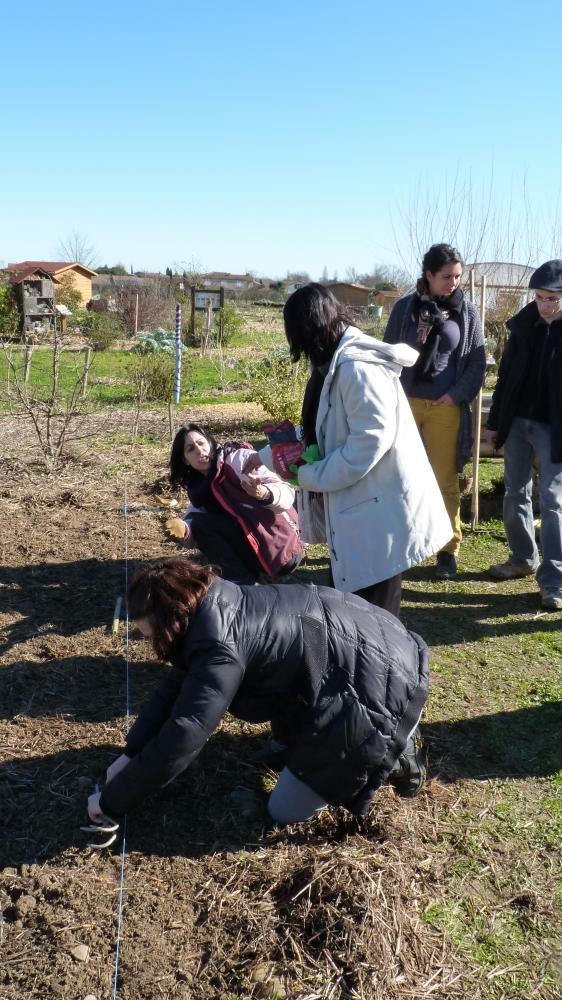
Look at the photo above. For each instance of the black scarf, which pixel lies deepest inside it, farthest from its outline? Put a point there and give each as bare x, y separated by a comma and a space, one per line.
310, 405
429, 313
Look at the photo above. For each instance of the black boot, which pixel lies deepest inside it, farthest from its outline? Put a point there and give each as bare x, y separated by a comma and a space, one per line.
408, 774
446, 566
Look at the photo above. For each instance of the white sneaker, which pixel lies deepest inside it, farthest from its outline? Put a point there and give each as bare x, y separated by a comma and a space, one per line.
551, 599
510, 570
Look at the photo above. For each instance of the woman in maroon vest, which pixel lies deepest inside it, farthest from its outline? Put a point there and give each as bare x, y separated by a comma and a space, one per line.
243, 522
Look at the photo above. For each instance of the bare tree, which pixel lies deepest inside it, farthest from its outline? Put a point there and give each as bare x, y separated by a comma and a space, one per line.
76, 248
146, 306
485, 223
191, 270
50, 410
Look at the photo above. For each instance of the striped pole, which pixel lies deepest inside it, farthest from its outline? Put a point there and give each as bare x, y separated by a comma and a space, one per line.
177, 380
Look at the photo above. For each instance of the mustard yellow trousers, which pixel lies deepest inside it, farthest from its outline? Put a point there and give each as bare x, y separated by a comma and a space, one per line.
439, 430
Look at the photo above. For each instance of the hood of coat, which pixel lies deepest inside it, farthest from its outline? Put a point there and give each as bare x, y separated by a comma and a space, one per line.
358, 346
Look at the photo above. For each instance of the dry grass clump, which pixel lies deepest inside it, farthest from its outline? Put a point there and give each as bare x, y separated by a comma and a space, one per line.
333, 911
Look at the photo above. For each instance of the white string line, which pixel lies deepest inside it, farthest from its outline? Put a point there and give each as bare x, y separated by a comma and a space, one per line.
127, 723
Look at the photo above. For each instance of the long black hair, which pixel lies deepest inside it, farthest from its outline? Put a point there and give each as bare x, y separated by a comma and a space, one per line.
438, 256
182, 474
314, 323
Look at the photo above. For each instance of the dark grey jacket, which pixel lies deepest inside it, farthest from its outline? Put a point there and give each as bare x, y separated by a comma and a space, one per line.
471, 363
514, 370
343, 681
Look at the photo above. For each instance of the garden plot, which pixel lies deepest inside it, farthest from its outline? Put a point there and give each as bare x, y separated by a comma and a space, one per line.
451, 895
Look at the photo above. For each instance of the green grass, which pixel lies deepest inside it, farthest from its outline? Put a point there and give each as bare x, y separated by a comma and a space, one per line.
109, 378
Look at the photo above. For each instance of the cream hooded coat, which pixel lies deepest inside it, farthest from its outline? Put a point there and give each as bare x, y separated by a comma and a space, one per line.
384, 510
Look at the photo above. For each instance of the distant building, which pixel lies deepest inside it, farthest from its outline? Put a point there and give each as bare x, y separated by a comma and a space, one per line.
387, 298
291, 285
351, 294
105, 284
507, 284
228, 281
81, 275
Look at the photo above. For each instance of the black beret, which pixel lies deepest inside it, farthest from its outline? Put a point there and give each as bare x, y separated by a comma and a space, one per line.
548, 276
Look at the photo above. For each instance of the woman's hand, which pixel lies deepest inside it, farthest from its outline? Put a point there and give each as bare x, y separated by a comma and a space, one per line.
445, 400
491, 437
117, 766
94, 811
252, 486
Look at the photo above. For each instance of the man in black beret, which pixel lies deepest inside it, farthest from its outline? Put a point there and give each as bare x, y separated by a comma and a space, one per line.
526, 418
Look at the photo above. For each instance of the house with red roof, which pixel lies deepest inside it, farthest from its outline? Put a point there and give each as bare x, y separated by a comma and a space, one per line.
56, 269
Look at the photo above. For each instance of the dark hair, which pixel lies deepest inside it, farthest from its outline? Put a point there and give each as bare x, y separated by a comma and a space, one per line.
437, 257
168, 591
314, 323
182, 474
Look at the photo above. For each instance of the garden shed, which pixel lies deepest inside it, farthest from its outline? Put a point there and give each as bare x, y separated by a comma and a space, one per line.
351, 294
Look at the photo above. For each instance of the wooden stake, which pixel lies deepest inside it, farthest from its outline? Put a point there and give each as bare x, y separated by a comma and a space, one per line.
116, 616
171, 420
27, 363
136, 313
87, 361
477, 426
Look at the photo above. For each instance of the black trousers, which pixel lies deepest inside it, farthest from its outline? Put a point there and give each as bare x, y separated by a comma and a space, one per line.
386, 594
221, 540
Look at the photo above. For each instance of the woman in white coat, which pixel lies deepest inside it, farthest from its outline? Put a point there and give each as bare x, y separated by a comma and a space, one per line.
383, 507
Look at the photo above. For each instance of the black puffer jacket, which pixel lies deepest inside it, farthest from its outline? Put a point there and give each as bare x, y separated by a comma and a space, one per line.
343, 680
514, 370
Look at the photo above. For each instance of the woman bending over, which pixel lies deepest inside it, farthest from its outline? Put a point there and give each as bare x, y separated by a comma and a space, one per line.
343, 680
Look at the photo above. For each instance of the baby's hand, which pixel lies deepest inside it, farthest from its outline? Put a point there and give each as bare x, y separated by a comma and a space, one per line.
252, 463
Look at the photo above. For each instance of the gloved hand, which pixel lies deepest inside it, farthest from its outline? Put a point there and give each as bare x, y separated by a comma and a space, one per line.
176, 528
311, 454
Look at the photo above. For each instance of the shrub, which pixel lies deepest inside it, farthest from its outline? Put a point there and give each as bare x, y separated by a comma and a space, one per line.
153, 377
277, 384
9, 313
67, 294
232, 324
100, 329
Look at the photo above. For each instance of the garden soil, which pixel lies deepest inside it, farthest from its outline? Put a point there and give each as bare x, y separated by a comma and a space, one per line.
216, 906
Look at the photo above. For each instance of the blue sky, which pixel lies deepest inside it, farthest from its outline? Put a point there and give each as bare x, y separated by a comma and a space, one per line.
279, 137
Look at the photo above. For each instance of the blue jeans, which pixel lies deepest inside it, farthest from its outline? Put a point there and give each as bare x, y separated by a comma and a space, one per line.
525, 439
